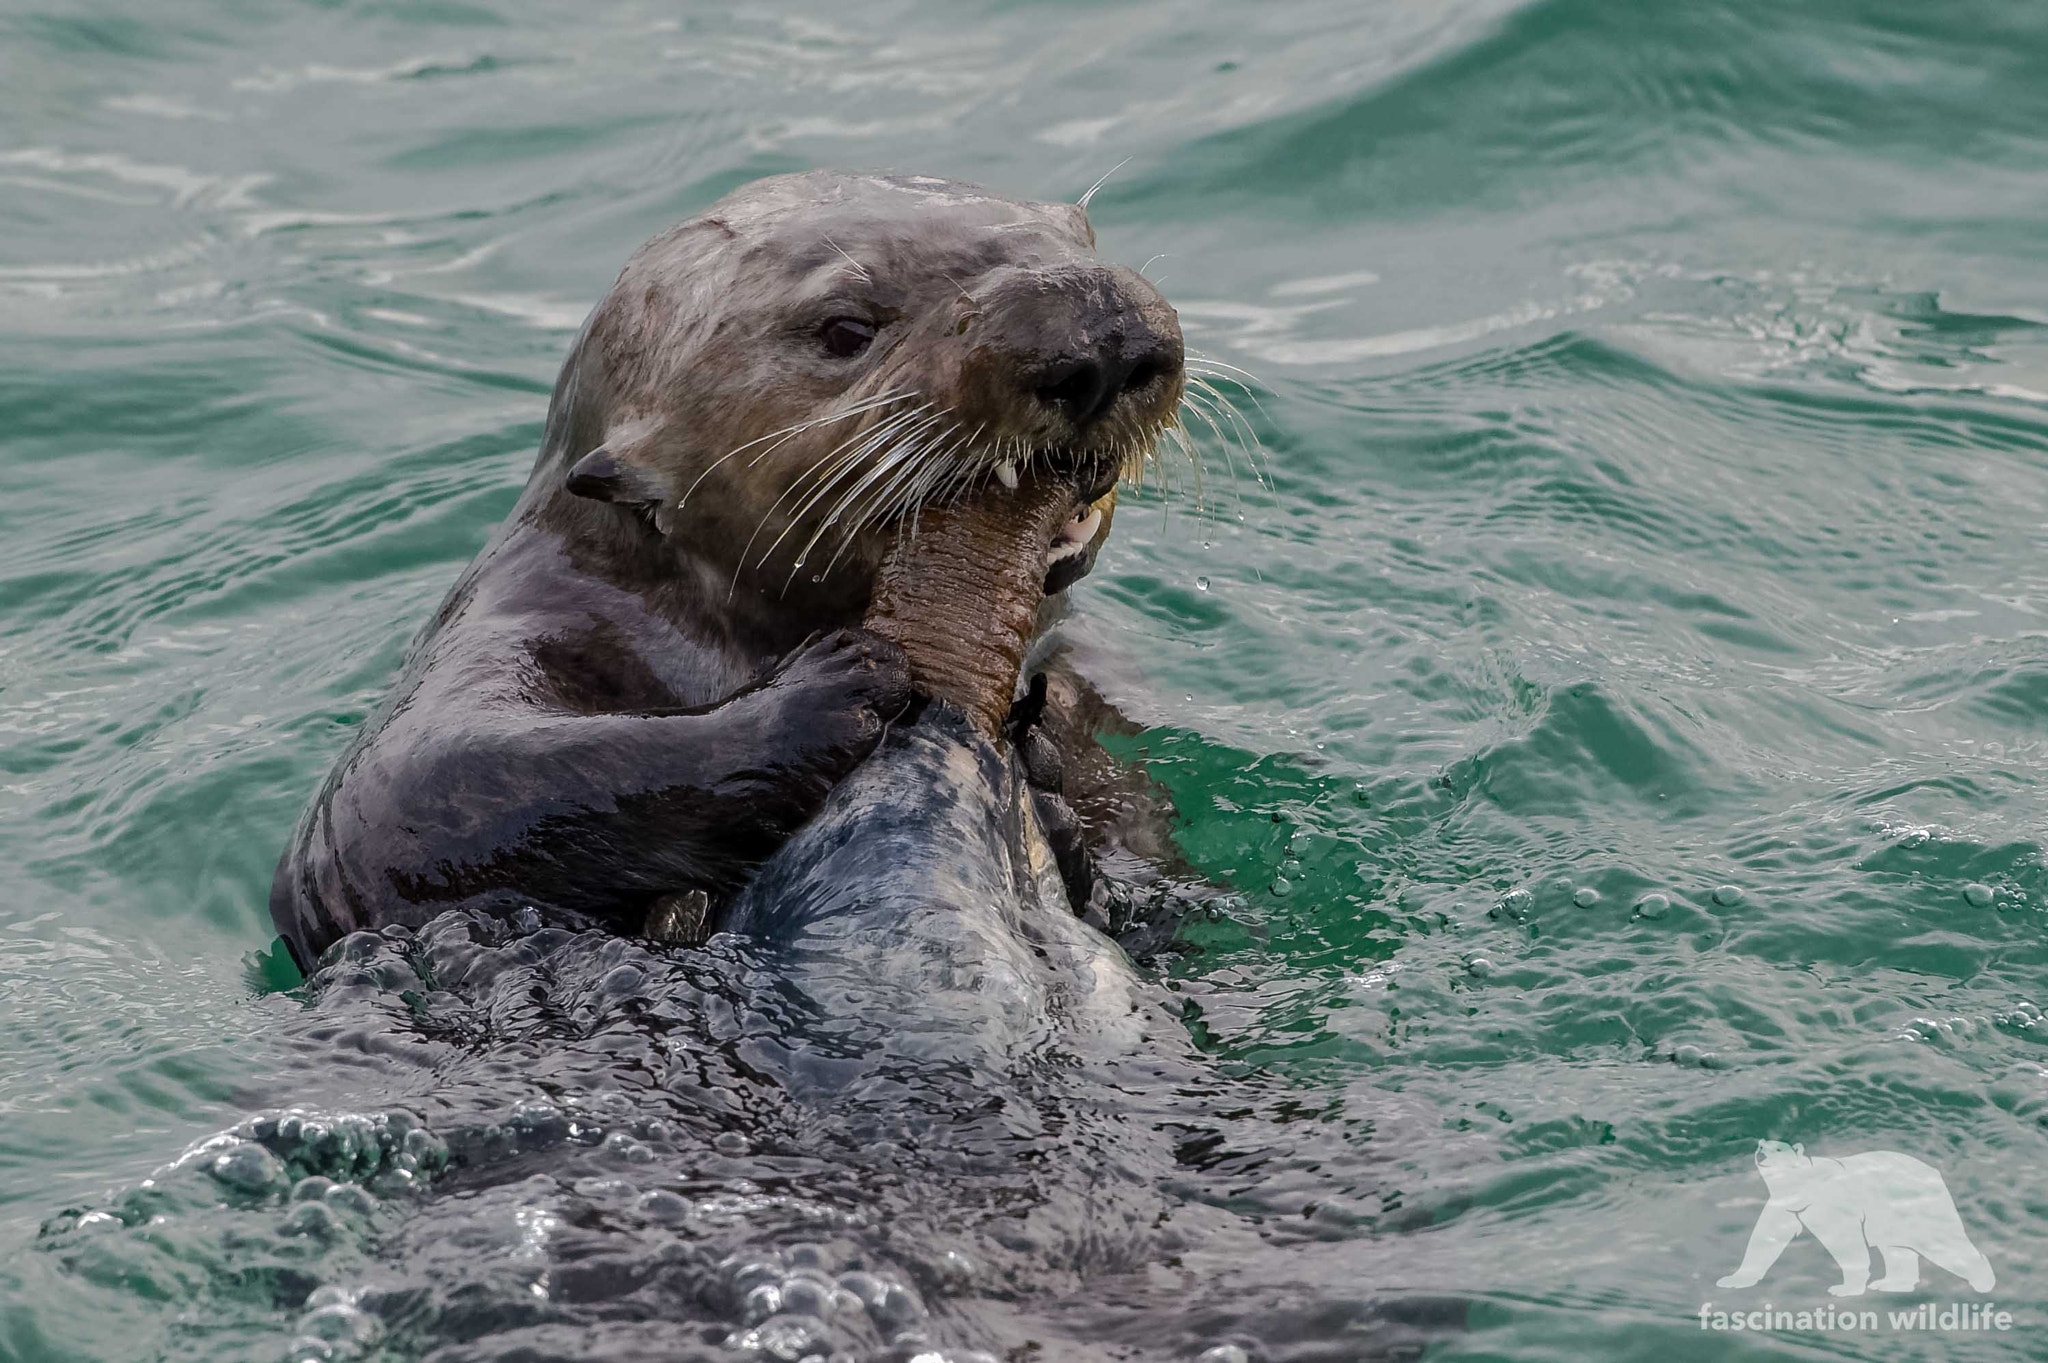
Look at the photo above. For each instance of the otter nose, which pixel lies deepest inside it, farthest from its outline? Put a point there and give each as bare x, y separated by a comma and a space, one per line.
1085, 386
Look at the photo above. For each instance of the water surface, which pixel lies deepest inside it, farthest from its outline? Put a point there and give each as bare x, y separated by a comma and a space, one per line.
1620, 724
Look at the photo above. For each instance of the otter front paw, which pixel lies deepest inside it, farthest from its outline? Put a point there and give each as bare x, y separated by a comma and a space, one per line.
856, 665
840, 690
1063, 830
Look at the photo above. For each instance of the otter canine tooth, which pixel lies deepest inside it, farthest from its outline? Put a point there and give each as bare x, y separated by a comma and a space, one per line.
1006, 474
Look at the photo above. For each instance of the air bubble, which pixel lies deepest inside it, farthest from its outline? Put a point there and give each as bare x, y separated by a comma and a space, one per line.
311, 1219
762, 1302
1201, 584
1587, 897
249, 1169
1979, 896
664, 1206
1653, 905
1728, 896
805, 1297
347, 1197
339, 1324
1224, 1353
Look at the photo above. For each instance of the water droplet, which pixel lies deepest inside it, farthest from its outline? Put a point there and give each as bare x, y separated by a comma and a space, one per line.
817, 577
1516, 902
1201, 584
1282, 885
1587, 897
1653, 905
1727, 896
1479, 967
1980, 896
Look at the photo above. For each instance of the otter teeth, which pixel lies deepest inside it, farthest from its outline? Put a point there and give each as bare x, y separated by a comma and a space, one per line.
1074, 535
1006, 474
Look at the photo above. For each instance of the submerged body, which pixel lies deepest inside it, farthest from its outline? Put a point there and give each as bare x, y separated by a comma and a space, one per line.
925, 902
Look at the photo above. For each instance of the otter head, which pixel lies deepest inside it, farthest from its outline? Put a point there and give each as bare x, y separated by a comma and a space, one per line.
779, 387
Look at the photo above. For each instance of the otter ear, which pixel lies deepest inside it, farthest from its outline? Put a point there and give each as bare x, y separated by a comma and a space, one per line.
603, 476
622, 469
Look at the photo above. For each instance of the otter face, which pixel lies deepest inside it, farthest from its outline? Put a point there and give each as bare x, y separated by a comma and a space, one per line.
792, 376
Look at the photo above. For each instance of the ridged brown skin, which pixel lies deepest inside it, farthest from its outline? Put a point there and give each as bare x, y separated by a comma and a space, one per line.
960, 596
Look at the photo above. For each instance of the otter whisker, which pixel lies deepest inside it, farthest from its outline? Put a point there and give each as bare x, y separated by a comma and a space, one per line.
904, 458
893, 445
1214, 408
1238, 378
1206, 397
848, 454
936, 461
1203, 367
1185, 442
904, 449
1195, 357
867, 440
867, 406
908, 467
789, 432
884, 439
962, 288
858, 268
1233, 433
930, 449
1082, 202
946, 465
1202, 407
934, 470
1248, 442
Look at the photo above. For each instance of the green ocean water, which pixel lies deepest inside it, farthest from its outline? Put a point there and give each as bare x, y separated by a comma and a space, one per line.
1620, 723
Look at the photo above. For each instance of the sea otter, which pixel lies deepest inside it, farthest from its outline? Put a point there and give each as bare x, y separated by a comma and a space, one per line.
657, 669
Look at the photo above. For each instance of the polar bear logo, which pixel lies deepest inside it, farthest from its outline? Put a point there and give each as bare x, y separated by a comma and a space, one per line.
1885, 1199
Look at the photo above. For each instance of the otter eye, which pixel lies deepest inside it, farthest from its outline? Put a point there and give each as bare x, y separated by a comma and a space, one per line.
845, 337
